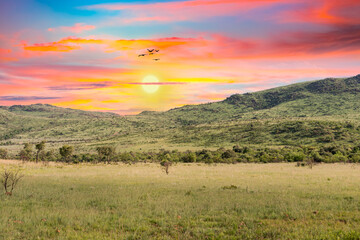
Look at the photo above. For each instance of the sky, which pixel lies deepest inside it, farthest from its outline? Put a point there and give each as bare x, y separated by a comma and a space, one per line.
85, 54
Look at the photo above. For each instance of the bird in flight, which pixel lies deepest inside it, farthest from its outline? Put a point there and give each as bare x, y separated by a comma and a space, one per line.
150, 52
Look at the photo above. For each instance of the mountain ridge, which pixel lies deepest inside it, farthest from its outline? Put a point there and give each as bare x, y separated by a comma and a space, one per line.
310, 113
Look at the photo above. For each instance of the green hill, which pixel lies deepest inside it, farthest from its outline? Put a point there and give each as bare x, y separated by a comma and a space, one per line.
308, 113
328, 97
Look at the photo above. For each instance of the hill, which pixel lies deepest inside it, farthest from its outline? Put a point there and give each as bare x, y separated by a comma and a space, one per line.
308, 113
328, 97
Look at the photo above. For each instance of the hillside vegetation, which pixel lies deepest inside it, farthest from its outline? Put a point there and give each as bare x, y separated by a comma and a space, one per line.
309, 113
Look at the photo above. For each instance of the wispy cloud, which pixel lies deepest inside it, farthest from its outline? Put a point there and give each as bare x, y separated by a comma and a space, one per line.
77, 28
156, 83
73, 87
180, 10
26, 98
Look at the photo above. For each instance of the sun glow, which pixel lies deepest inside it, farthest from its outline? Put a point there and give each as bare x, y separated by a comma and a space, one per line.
148, 86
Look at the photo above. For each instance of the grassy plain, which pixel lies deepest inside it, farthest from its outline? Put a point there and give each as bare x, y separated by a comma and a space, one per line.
195, 201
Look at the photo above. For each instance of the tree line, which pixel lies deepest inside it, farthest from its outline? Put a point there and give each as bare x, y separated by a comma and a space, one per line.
246, 154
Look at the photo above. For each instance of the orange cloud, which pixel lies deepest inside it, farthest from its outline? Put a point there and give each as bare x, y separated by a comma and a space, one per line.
71, 43
74, 40
50, 47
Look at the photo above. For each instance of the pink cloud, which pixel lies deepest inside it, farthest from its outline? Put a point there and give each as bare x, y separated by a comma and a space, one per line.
5, 55
324, 12
338, 40
77, 28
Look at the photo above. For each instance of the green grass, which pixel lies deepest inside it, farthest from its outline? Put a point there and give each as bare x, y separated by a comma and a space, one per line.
195, 201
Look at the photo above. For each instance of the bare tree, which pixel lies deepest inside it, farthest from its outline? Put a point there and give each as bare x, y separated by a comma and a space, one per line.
166, 165
9, 180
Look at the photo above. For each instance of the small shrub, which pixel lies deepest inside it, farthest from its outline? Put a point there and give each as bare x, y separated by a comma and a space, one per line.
230, 187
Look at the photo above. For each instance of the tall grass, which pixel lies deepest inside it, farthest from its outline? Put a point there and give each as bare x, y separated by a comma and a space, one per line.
195, 201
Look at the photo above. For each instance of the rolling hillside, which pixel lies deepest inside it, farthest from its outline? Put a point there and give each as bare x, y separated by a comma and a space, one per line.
308, 113
328, 97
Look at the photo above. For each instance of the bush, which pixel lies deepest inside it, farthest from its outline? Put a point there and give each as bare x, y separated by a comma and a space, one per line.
105, 153
3, 153
188, 157
228, 154
66, 152
294, 157
27, 153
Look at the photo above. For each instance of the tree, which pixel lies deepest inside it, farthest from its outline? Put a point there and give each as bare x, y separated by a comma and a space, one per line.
50, 155
3, 153
39, 147
66, 152
166, 164
105, 153
26, 153
188, 157
9, 179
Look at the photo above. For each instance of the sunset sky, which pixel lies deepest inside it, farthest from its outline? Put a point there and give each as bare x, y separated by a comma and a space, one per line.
81, 56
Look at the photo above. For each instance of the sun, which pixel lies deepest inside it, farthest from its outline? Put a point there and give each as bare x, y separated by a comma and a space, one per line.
148, 87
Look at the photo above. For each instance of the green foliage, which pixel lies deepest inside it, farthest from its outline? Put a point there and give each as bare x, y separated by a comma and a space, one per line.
188, 157
27, 153
66, 152
49, 156
105, 153
3, 153
249, 154
40, 147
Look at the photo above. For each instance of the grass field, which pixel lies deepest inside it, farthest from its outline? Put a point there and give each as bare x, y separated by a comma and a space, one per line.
195, 201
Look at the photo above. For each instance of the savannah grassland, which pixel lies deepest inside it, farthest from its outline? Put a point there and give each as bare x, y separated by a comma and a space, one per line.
195, 201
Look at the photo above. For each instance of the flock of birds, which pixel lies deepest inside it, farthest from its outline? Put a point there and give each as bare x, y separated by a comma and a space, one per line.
151, 52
